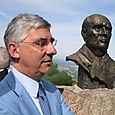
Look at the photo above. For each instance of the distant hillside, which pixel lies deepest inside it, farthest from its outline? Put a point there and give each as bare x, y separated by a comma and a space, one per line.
64, 63
70, 67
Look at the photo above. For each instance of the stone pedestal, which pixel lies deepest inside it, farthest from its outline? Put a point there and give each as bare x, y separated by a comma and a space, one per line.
90, 102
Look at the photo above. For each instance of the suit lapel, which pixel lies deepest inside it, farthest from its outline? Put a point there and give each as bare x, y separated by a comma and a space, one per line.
28, 103
27, 106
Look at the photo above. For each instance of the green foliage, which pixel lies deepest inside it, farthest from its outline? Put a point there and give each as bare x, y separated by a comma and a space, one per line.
58, 77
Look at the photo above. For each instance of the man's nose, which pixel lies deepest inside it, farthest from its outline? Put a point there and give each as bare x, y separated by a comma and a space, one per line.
51, 49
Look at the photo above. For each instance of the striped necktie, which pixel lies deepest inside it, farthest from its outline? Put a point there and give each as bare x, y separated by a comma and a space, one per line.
43, 100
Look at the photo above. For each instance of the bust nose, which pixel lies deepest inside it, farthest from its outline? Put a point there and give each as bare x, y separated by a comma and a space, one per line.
104, 31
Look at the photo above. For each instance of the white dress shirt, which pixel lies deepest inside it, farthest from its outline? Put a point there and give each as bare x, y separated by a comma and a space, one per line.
30, 85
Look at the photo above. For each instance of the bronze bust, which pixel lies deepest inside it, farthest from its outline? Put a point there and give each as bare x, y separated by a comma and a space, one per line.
96, 69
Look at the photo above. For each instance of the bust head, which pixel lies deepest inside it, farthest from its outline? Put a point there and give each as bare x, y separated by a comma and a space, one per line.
96, 32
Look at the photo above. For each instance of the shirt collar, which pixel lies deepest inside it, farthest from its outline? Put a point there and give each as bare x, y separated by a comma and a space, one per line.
29, 84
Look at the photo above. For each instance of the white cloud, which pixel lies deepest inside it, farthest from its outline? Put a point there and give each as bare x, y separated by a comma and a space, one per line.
69, 38
66, 17
5, 15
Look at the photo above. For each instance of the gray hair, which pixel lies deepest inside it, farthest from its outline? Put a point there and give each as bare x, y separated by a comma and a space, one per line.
4, 58
19, 27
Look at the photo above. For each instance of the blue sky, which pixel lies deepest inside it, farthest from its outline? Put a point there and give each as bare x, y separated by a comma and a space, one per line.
66, 17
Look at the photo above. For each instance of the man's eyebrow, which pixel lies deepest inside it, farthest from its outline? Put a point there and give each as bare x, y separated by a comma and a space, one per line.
43, 38
40, 39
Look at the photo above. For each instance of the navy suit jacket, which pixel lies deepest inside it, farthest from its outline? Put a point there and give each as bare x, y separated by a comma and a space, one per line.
15, 100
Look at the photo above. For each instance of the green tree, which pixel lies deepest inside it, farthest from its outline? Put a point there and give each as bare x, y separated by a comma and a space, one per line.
58, 77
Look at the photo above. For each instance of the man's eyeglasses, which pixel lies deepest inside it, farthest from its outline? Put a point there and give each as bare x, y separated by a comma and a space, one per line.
42, 43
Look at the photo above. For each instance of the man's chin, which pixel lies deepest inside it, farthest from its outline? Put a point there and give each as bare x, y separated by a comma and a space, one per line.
46, 70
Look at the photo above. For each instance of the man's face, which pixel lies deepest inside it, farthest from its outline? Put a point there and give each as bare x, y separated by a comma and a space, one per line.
35, 60
98, 33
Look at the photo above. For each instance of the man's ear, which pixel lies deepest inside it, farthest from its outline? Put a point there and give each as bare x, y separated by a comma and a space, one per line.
13, 50
83, 33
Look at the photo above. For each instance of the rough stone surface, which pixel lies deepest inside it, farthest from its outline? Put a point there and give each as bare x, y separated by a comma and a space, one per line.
90, 102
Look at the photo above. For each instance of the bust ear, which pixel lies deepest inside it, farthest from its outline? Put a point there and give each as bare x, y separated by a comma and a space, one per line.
83, 33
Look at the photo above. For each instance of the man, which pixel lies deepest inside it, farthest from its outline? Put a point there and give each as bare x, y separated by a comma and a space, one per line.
4, 62
31, 49
95, 67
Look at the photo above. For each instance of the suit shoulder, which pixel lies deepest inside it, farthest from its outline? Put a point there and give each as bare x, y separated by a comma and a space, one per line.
49, 86
3, 88
48, 83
